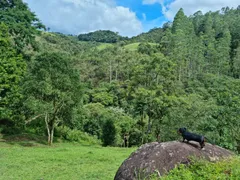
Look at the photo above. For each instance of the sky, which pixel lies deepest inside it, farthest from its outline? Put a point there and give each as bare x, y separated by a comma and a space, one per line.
127, 17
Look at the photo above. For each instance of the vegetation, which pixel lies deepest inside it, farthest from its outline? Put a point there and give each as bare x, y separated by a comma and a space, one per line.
153, 36
23, 24
184, 74
224, 169
100, 87
104, 36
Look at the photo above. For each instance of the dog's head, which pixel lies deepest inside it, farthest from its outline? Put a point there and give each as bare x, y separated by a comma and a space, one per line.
182, 130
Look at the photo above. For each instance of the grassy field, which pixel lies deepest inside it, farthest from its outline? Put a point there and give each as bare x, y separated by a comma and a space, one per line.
61, 161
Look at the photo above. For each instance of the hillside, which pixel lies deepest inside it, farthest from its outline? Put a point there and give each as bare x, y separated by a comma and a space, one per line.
104, 36
152, 36
144, 88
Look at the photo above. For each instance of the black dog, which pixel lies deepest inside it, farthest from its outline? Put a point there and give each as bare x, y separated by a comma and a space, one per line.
192, 137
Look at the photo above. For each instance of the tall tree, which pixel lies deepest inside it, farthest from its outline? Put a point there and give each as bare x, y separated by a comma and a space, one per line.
12, 70
208, 37
52, 89
183, 39
22, 23
179, 21
223, 50
236, 64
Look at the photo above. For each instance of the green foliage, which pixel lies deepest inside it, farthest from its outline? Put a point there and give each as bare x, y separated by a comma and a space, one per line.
103, 98
22, 23
104, 45
132, 46
185, 74
51, 76
12, 70
136, 137
107, 124
53, 89
74, 135
104, 36
152, 36
225, 169
55, 42
146, 48
109, 133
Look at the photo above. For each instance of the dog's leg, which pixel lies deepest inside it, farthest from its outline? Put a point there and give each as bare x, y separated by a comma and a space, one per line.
202, 143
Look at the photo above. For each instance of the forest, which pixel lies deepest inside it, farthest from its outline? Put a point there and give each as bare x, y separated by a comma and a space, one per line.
101, 87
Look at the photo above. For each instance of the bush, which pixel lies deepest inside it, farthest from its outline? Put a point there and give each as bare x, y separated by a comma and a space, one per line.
225, 169
74, 135
109, 133
135, 138
8, 126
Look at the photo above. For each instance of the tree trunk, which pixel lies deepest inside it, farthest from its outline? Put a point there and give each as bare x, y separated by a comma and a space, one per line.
110, 71
48, 129
52, 132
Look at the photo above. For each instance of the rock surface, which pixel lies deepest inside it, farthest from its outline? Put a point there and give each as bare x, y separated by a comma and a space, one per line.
162, 157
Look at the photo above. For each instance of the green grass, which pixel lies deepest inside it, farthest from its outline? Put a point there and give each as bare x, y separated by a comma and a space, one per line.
61, 161
104, 46
134, 46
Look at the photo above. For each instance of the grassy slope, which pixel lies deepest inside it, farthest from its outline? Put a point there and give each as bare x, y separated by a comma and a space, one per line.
62, 161
71, 45
104, 46
134, 46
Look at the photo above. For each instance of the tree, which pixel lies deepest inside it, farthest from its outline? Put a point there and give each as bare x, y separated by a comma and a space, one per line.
182, 47
223, 50
52, 90
236, 63
22, 23
179, 21
109, 133
12, 70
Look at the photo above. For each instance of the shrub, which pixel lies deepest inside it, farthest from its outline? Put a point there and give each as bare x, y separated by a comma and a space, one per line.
109, 133
225, 169
74, 135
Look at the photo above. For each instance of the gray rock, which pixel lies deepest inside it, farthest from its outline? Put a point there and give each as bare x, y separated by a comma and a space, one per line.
162, 157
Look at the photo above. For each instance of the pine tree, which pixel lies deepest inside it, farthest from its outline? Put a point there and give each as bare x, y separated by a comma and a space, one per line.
223, 49
236, 63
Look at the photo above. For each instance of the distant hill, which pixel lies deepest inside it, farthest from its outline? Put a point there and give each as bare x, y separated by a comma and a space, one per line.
63, 43
154, 36
105, 36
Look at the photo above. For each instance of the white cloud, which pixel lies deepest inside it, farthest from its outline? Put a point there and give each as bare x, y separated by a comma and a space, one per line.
144, 16
150, 1
170, 8
82, 16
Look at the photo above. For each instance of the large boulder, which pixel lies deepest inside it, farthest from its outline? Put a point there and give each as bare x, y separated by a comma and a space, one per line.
162, 157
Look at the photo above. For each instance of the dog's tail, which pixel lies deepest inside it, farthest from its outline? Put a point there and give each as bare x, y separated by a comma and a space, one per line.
208, 140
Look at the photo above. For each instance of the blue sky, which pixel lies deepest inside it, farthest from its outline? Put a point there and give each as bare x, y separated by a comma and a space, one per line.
152, 11
127, 17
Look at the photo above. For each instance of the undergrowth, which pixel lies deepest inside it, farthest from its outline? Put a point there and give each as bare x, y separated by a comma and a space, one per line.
228, 169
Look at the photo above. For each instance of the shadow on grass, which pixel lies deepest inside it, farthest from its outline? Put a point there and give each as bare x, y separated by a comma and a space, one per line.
26, 140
